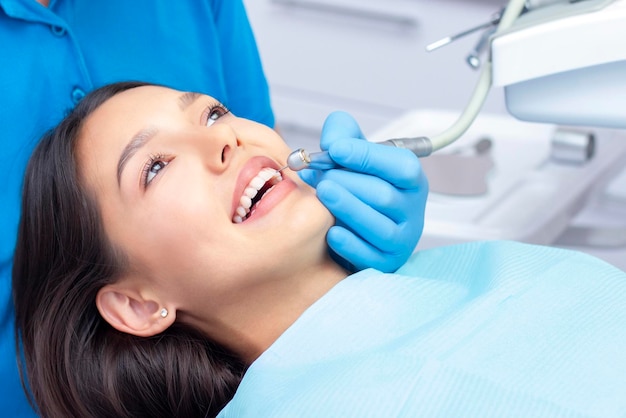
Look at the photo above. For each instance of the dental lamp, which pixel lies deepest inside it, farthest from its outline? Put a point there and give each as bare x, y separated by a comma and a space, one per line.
559, 61
564, 62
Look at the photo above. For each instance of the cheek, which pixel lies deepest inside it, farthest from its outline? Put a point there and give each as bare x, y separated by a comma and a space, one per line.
163, 237
174, 252
180, 221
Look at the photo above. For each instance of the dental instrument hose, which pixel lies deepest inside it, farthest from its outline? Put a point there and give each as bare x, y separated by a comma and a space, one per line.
513, 9
424, 146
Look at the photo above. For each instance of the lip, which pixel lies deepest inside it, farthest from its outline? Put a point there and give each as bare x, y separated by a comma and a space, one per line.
248, 172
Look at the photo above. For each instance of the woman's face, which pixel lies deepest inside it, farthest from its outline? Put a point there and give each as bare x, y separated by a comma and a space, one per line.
173, 174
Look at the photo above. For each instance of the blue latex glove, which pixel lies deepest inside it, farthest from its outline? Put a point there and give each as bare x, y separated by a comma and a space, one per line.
378, 200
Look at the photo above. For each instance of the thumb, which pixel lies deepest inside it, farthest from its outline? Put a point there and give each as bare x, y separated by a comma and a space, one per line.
339, 125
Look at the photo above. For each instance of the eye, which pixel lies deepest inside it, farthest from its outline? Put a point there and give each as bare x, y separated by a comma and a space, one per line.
152, 167
214, 112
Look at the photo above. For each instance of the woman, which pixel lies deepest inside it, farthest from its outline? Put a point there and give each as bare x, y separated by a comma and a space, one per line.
162, 254
162, 218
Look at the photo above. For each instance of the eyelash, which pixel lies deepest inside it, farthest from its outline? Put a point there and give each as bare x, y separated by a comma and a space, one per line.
149, 165
214, 108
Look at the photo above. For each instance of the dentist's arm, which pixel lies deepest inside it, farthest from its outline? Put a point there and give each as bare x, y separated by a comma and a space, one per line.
378, 199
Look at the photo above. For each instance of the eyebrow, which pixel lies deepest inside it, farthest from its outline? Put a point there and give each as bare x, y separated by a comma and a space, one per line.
140, 139
186, 99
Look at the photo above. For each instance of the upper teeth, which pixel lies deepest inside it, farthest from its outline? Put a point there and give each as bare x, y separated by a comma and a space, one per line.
245, 203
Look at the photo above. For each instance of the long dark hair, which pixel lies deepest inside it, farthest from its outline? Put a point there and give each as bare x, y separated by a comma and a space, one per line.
74, 363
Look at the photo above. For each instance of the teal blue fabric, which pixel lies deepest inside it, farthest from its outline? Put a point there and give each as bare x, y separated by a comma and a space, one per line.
49, 59
493, 329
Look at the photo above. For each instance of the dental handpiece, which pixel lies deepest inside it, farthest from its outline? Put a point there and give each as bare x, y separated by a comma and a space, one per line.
301, 159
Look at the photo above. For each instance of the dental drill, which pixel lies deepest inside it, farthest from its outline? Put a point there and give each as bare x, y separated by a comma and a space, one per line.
423, 146
301, 159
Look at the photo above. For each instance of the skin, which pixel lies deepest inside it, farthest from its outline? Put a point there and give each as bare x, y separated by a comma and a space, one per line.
242, 284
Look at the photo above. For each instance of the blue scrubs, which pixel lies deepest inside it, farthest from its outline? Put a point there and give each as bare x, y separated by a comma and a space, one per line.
476, 330
51, 57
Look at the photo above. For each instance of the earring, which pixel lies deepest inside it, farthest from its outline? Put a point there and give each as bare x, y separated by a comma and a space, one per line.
163, 313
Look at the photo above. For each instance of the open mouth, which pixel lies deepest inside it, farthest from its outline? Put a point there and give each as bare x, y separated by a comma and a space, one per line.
259, 186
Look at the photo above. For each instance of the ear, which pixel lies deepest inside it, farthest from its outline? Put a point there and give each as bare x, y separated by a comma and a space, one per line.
128, 310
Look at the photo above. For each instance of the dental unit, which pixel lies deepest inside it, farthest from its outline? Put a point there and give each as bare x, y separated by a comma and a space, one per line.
559, 61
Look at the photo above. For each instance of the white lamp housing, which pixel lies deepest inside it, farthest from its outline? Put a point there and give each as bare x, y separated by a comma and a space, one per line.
565, 64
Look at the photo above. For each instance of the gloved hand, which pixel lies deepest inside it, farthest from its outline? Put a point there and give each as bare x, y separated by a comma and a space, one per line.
378, 200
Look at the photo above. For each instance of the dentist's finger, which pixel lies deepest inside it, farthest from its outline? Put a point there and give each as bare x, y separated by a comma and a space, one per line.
349, 246
339, 125
372, 225
378, 194
398, 166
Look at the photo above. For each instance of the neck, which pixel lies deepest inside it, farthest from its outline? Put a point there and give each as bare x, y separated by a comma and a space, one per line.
271, 309
288, 307
44, 3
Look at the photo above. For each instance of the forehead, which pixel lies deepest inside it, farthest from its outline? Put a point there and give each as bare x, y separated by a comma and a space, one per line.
123, 115
133, 104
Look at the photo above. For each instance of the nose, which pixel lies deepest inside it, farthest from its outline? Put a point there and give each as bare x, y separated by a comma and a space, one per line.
218, 144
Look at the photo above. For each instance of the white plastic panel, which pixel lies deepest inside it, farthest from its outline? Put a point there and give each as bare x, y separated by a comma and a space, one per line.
591, 96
